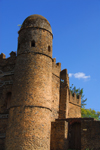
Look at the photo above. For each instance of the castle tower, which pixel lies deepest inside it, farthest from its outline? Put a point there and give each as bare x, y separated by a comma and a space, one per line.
30, 110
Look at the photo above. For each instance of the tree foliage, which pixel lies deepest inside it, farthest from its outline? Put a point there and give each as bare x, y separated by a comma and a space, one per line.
90, 113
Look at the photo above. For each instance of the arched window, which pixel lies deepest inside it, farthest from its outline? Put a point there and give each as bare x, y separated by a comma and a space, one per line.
49, 48
8, 99
33, 43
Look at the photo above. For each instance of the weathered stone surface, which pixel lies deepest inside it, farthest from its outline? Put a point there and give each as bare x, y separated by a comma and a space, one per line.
37, 109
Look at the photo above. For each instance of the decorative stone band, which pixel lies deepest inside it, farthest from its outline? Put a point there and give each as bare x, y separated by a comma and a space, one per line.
2, 135
30, 106
34, 29
34, 53
3, 116
2, 83
56, 75
75, 104
2, 74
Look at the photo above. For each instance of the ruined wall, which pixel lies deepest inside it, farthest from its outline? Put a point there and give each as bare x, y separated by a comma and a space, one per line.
70, 105
64, 97
56, 68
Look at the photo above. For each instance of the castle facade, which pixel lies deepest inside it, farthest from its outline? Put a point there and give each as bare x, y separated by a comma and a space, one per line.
37, 109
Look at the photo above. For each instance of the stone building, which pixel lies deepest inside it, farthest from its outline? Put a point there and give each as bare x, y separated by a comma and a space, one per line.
37, 109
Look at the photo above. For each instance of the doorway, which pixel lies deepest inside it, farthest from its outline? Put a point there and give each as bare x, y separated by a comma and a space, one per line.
75, 136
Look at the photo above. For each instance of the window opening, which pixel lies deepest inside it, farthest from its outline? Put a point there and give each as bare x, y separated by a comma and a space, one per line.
62, 80
33, 43
49, 49
8, 99
18, 46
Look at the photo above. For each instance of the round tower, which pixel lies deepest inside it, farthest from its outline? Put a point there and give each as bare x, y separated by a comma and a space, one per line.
30, 110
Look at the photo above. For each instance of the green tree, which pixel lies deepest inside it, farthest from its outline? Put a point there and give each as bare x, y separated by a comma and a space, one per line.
90, 113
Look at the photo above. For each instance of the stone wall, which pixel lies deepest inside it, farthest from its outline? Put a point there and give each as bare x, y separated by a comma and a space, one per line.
70, 105
74, 110
64, 96
6, 80
3, 127
75, 133
7, 66
90, 134
59, 133
56, 68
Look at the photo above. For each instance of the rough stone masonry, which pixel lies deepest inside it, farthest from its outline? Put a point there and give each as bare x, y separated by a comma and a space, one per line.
37, 109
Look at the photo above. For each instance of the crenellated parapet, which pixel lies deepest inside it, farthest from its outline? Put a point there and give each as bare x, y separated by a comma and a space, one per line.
56, 67
13, 54
7, 66
2, 56
74, 99
7, 61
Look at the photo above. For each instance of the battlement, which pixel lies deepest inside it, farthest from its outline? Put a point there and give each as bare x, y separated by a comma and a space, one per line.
13, 54
2, 56
73, 98
6, 61
56, 67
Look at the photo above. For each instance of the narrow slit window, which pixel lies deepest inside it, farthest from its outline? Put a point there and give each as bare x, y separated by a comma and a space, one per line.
8, 99
18, 46
49, 48
33, 43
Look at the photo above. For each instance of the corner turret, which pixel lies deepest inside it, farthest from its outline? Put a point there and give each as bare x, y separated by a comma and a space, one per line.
32, 88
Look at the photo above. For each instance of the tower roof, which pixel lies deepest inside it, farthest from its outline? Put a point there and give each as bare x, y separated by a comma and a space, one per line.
36, 21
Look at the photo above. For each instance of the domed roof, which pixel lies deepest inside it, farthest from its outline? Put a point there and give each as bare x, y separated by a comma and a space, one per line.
36, 21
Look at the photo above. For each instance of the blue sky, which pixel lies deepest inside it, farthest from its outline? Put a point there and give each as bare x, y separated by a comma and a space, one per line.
76, 37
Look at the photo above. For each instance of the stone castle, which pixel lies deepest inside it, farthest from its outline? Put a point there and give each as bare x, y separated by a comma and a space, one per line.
37, 109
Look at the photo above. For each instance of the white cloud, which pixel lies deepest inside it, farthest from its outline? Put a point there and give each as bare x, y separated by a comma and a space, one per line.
79, 75
70, 74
